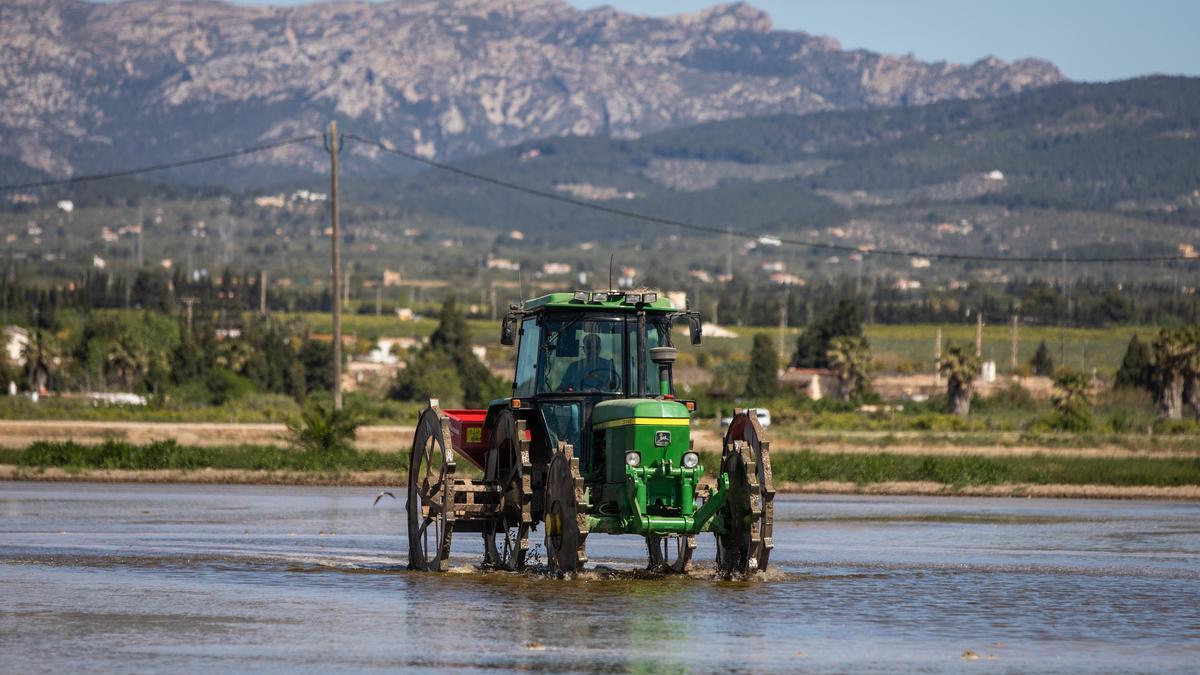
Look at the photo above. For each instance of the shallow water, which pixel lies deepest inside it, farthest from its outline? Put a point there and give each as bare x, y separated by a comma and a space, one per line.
136, 577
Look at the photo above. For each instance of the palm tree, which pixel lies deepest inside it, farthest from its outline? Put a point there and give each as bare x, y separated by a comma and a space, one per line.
961, 366
1174, 355
850, 359
41, 355
1071, 391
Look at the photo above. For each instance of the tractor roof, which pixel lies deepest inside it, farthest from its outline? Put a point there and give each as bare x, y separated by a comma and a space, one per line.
613, 301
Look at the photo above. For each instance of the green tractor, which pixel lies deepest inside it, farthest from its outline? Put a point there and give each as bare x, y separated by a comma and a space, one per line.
592, 441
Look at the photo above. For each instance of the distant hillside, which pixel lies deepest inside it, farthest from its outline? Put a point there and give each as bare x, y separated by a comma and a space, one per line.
87, 86
1070, 168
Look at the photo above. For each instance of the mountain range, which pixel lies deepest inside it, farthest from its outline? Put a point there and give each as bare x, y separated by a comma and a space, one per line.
88, 86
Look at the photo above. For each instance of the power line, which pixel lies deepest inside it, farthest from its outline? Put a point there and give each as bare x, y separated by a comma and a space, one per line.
840, 248
158, 167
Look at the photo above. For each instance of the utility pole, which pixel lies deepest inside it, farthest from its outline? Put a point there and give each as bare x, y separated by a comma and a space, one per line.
262, 292
333, 147
379, 300
979, 334
1015, 343
783, 318
188, 302
937, 359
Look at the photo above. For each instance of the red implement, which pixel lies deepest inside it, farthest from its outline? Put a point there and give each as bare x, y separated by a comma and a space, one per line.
467, 434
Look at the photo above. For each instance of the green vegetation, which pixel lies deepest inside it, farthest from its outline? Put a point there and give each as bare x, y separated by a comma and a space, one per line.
171, 455
324, 429
799, 467
805, 467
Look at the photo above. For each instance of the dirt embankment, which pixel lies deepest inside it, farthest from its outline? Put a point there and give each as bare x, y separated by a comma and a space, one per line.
20, 434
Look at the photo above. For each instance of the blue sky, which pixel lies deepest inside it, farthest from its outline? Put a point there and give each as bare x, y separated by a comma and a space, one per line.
1088, 39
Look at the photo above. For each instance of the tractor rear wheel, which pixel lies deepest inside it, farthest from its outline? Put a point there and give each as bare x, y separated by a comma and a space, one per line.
506, 540
566, 526
671, 553
744, 532
430, 494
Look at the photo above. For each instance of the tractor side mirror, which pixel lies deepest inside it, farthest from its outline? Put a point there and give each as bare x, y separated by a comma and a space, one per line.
508, 330
695, 328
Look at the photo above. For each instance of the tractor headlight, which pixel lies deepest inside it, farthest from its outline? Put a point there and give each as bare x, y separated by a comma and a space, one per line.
691, 460
633, 459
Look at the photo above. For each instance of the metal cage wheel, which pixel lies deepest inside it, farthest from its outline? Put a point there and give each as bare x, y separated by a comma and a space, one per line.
506, 540
744, 539
430, 494
565, 524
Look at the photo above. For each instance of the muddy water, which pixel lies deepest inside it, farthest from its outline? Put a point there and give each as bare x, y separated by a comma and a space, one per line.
131, 577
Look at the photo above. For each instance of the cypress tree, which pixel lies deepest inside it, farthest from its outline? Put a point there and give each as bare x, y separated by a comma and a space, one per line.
762, 381
1137, 368
1041, 363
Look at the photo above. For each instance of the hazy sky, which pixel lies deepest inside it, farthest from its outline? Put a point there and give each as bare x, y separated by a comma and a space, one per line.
1087, 39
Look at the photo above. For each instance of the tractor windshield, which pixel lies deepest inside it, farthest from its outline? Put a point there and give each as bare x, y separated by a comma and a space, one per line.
583, 354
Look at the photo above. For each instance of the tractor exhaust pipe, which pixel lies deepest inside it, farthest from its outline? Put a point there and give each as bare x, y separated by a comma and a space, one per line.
665, 358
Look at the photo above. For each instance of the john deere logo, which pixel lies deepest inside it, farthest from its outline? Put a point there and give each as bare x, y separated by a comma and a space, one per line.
662, 438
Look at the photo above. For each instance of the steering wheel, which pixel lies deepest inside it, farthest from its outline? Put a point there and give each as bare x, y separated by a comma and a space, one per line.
599, 377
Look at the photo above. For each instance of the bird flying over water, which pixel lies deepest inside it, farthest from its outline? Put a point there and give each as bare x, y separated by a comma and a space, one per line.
380, 496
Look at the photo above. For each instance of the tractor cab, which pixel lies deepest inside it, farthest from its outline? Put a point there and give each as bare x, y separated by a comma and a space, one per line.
576, 351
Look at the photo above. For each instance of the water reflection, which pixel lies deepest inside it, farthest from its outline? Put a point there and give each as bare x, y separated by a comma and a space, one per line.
157, 577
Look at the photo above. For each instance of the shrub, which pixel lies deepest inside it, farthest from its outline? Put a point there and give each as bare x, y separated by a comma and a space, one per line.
322, 429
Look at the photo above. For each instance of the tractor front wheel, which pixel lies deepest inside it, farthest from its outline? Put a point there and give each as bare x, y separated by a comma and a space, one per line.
745, 521
566, 527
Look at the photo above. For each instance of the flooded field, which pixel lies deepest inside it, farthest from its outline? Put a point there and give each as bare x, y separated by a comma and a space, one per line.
158, 577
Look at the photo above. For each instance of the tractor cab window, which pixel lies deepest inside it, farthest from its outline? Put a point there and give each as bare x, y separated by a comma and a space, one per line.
527, 358
583, 354
657, 335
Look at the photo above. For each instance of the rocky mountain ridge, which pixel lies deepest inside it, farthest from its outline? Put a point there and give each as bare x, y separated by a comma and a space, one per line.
87, 86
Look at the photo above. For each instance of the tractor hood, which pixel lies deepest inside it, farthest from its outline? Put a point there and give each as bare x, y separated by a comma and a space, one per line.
627, 411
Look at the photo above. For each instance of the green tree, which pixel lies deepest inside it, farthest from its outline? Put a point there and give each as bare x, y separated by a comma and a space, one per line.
762, 380
1137, 367
961, 367
135, 350
426, 374
1041, 363
316, 360
429, 374
812, 347
850, 359
1116, 308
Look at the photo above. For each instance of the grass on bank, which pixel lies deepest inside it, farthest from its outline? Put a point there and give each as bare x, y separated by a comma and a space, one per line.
799, 467
172, 455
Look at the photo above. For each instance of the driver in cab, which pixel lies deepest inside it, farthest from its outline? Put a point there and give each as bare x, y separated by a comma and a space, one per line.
592, 372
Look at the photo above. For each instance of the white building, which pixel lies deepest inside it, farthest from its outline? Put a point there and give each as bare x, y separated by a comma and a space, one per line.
16, 339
